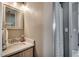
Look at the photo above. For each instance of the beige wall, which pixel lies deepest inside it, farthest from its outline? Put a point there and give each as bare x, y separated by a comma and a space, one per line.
48, 30
38, 22
34, 26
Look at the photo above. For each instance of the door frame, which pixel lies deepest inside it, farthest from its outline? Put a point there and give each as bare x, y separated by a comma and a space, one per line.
1, 19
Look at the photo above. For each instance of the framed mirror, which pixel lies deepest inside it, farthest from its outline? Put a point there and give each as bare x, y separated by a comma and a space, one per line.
10, 17
13, 18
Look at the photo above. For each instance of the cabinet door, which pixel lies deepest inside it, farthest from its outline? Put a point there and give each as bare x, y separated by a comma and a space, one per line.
25, 53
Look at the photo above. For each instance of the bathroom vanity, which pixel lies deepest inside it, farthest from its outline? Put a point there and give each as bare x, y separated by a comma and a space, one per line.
20, 49
13, 28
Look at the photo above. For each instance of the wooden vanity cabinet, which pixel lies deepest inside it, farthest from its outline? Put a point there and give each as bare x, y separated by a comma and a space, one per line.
24, 53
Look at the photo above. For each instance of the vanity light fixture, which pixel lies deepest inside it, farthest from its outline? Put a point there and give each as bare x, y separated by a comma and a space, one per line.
15, 4
25, 7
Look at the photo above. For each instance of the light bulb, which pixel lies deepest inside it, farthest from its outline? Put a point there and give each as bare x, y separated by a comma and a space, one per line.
14, 3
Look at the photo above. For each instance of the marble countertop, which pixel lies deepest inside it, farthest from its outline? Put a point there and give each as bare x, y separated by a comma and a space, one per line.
15, 48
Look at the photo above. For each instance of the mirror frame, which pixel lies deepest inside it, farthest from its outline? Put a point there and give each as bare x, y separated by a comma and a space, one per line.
13, 8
